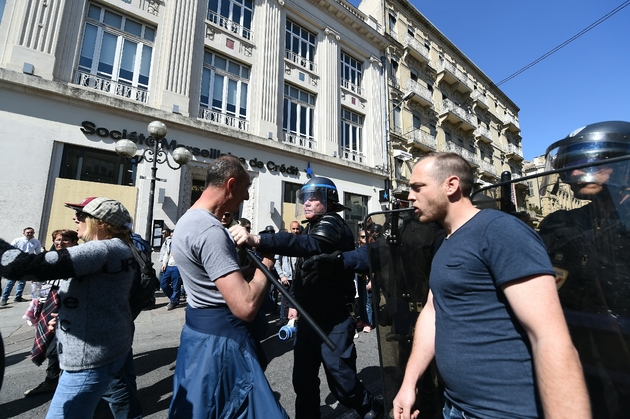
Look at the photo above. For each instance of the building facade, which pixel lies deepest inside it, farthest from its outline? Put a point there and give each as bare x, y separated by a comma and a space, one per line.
290, 87
439, 100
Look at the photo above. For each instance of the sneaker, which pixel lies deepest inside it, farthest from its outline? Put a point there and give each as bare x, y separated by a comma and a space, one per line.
20, 300
3, 302
367, 329
376, 412
171, 305
44, 387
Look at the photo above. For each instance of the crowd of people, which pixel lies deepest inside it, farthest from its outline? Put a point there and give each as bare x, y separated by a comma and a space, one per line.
492, 319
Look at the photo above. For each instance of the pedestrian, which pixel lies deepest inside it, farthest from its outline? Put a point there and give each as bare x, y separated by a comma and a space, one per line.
62, 239
95, 325
285, 266
326, 301
28, 244
218, 373
170, 280
493, 320
588, 247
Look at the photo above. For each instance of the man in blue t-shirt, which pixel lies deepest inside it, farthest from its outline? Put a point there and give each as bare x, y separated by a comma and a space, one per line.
493, 320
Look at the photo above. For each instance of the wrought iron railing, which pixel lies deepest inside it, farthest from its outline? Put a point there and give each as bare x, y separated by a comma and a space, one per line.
106, 85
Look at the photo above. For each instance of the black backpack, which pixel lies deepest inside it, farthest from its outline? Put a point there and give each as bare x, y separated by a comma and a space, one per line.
142, 294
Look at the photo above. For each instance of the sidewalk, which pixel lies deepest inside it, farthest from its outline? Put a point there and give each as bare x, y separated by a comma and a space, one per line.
155, 349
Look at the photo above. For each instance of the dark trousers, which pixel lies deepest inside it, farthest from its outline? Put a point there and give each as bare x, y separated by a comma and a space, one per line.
340, 368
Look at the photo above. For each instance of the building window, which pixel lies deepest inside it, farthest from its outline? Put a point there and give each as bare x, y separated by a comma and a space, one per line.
300, 46
397, 119
413, 74
224, 87
298, 117
93, 165
447, 136
433, 130
351, 73
398, 168
416, 121
411, 31
392, 25
233, 15
115, 54
352, 136
358, 205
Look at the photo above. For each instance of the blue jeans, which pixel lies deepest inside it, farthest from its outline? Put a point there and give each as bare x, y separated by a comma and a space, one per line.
78, 392
122, 393
9, 287
170, 282
451, 411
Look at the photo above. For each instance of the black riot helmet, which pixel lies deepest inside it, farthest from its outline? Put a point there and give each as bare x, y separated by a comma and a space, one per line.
590, 144
318, 189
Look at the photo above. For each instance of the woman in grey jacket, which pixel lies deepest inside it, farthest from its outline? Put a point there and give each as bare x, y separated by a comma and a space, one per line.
94, 327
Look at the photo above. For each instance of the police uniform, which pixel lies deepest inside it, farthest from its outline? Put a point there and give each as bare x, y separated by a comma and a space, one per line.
326, 301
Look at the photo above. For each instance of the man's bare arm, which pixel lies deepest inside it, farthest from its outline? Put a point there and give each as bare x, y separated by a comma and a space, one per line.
242, 297
558, 370
422, 352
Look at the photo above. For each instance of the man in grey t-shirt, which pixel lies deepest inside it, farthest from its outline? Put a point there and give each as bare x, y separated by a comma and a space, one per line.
217, 371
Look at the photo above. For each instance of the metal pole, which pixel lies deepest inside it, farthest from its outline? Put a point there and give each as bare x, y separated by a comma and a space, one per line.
148, 234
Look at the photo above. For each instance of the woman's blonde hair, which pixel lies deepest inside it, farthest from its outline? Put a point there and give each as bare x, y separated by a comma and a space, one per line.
92, 225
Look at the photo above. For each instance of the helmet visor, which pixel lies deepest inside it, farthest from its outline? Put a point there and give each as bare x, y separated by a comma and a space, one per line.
311, 200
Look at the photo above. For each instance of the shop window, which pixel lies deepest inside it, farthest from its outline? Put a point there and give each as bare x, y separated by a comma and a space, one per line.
89, 164
290, 192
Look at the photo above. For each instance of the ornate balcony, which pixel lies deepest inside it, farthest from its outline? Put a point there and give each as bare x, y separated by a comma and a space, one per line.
458, 116
229, 25
422, 95
488, 168
106, 85
300, 140
352, 155
223, 119
511, 123
483, 134
513, 151
449, 72
421, 139
470, 156
300, 61
480, 99
416, 49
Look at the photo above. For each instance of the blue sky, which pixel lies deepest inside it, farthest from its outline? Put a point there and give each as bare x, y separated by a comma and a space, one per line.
586, 81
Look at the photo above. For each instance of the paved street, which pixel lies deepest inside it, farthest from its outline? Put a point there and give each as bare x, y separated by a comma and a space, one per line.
155, 349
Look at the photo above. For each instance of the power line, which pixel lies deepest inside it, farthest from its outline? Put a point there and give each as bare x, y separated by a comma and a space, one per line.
565, 43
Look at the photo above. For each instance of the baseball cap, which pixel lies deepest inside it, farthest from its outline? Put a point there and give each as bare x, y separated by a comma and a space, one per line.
105, 209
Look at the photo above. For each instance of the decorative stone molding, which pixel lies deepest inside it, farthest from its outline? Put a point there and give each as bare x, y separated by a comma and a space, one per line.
377, 61
210, 32
331, 32
153, 7
281, 3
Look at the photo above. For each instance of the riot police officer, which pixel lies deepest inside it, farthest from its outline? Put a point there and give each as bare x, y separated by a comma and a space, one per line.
325, 299
588, 247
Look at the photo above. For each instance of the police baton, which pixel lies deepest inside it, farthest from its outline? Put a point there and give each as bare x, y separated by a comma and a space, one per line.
286, 294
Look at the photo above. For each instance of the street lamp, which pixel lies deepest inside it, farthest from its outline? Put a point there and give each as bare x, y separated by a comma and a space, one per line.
154, 154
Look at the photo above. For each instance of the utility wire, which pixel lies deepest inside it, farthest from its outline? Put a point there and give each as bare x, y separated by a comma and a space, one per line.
565, 43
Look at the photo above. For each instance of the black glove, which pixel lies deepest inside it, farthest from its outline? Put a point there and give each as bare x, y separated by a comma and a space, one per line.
321, 267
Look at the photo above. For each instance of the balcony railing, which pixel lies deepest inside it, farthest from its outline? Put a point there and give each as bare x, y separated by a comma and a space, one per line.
448, 106
299, 60
300, 140
231, 26
481, 98
224, 119
483, 133
488, 167
514, 150
422, 138
412, 43
353, 155
110, 86
470, 156
423, 94
445, 65
348, 85
509, 119
394, 82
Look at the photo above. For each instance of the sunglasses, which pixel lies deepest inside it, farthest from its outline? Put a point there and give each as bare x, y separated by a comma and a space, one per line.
361, 237
81, 216
227, 214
